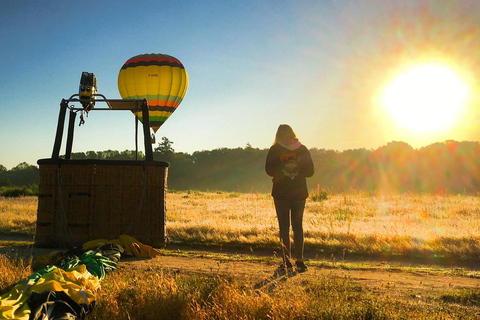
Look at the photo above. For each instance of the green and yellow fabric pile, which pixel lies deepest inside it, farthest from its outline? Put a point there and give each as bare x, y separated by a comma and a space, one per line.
67, 286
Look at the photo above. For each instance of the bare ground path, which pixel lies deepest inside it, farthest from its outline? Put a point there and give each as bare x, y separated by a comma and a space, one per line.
414, 282
403, 280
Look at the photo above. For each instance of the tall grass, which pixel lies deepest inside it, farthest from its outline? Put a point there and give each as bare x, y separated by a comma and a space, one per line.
159, 295
13, 271
18, 215
407, 225
404, 225
423, 226
221, 218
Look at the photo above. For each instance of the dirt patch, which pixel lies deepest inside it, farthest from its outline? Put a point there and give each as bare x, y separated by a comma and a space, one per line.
418, 285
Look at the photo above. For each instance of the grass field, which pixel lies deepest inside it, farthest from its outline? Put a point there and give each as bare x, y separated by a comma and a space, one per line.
413, 226
422, 228
18, 215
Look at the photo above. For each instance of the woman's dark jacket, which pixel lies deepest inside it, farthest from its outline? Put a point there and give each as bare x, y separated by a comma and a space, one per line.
289, 168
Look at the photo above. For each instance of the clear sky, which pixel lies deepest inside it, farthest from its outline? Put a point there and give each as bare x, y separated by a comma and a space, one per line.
319, 66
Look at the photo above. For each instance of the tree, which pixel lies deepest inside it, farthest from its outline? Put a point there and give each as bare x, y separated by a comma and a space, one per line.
21, 166
4, 181
23, 174
165, 147
91, 155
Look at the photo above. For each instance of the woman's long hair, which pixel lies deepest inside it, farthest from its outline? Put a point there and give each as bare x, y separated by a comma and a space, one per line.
284, 132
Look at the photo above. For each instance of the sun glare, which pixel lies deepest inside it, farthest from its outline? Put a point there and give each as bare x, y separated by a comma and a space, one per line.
426, 98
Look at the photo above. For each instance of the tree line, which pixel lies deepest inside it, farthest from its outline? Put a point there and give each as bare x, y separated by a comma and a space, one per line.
446, 167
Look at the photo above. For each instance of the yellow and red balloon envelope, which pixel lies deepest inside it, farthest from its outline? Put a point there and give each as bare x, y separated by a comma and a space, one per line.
159, 78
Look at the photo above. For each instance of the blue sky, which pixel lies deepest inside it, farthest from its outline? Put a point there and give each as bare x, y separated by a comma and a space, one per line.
252, 65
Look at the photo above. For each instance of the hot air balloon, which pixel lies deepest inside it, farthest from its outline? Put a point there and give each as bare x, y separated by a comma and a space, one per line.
159, 78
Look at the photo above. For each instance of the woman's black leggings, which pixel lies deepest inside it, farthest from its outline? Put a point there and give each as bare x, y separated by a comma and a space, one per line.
293, 209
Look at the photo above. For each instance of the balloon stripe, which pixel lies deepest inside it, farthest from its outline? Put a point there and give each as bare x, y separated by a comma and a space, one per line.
138, 63
156, 114
157, 124
154, 99
150, 97
163, 102
147, 57
152, 56
153, 120
150, 59
170, 104
159, 108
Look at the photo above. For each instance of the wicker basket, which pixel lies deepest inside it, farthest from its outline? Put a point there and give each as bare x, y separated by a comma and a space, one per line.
83, 200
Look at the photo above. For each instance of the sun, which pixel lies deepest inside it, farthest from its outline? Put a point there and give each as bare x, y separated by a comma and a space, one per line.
426, 98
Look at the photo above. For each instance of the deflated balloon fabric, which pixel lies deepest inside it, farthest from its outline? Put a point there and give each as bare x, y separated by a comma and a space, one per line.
130, 245
78, 278
56, 305
96, 264
78, 283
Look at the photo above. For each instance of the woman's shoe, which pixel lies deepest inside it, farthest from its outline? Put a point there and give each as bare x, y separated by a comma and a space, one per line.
301, 266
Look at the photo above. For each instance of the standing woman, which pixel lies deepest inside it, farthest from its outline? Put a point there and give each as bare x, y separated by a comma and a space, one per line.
289, 163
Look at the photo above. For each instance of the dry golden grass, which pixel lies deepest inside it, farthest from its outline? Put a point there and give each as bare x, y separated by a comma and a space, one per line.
13, 271
409, 225
424, 226
158, 295
405, 225
18, 215
221, 218
413, 225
